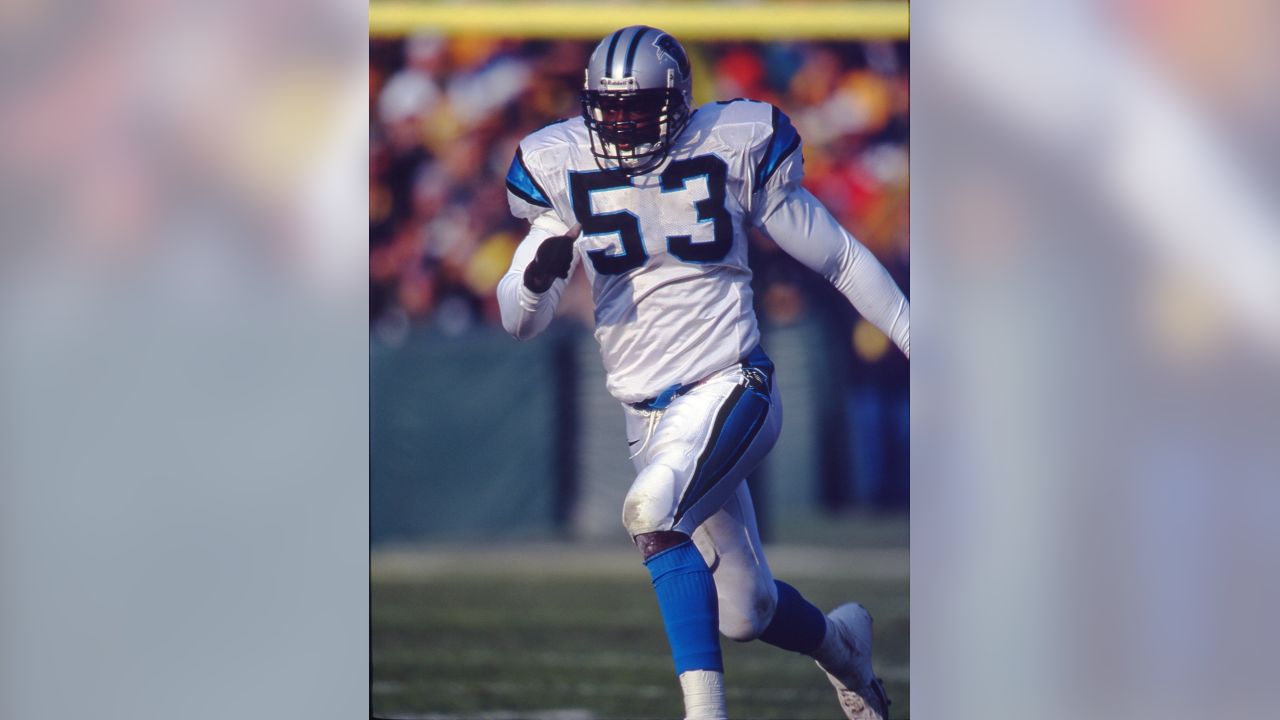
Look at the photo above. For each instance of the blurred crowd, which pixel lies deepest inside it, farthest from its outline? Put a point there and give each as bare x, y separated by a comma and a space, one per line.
448, 112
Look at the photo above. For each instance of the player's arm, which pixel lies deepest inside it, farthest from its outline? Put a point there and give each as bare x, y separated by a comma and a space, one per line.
530, 291
543, 262
801, 225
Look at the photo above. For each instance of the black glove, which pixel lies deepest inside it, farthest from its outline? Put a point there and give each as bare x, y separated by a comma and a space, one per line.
554, 257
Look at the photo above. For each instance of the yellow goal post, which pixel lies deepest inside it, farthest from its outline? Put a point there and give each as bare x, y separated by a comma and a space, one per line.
805, 20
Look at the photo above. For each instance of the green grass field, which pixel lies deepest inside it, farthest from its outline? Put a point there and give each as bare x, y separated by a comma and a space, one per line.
565, 632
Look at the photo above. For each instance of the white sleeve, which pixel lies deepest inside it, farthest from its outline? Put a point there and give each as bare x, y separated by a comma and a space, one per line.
524, 312
803, 227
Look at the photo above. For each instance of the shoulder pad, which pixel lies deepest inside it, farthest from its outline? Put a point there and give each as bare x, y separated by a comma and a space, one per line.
568, 130
522, 184
783, 140
740, 110
531, 159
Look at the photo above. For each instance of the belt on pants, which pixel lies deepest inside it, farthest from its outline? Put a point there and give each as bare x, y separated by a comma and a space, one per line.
755, 360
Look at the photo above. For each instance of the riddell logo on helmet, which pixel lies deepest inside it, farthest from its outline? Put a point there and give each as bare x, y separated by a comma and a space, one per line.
611, 85
668, 46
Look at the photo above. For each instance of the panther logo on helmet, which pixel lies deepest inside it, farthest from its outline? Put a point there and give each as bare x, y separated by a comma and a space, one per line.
667, 45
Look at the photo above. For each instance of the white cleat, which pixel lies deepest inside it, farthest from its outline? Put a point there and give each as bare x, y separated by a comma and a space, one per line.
860, 692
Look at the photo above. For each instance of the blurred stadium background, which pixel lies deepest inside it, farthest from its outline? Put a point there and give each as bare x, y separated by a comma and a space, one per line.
501, 577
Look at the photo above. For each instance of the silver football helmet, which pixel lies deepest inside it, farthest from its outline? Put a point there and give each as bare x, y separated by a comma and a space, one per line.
637, 98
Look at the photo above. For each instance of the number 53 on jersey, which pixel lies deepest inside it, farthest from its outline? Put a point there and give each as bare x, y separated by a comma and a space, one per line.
607, 203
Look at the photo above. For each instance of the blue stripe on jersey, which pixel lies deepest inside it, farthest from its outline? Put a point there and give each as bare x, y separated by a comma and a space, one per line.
785, 140
631, 50
521, 182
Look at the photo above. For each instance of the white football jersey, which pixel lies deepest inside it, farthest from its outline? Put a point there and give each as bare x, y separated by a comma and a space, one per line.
665, 252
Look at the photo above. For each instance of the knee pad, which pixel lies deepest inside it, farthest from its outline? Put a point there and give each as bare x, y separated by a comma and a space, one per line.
651, 503
747, 619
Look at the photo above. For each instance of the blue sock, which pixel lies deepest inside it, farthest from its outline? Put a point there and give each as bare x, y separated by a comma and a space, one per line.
687, 598
797, 625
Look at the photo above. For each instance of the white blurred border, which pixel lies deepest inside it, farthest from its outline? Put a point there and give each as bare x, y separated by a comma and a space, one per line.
184, 454
183, 425
1096, 250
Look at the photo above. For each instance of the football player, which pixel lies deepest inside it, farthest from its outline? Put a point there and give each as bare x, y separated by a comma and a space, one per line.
653, 199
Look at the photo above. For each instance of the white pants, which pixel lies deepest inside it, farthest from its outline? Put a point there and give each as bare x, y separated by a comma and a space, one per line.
692, 462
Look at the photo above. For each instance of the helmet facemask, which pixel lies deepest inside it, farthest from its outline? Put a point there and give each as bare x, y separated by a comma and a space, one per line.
632, 130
